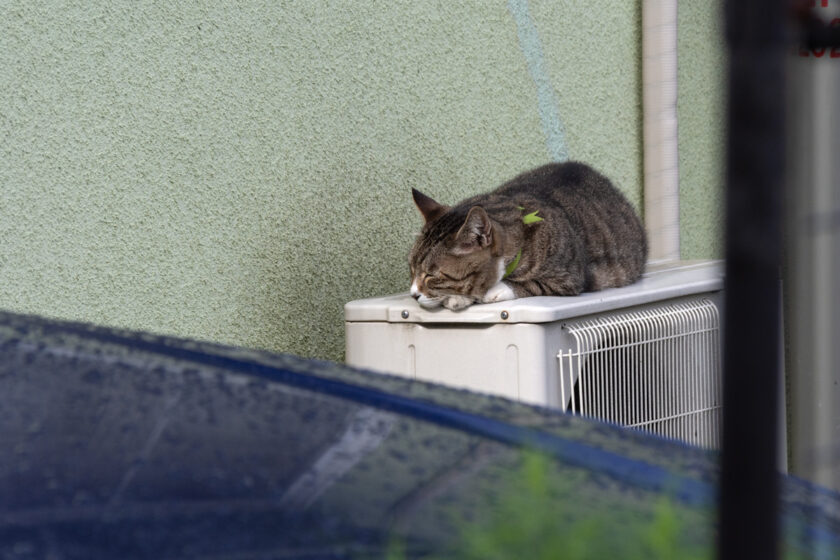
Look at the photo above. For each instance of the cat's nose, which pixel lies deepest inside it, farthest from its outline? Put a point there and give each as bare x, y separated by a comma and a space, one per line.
415, 296
415, 293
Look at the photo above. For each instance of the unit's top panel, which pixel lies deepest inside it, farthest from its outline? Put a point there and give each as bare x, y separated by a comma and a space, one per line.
682, 279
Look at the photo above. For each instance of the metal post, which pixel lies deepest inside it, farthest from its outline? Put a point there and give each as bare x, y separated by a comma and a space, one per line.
813, 248
755, 173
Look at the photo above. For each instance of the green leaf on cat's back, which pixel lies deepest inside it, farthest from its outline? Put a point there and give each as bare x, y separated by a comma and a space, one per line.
512, 266
531, 218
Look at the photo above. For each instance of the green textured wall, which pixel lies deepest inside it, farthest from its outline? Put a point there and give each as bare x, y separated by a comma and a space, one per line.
237, 171
701, 106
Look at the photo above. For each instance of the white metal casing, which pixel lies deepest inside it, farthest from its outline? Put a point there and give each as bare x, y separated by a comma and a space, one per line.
509, 348
476, 348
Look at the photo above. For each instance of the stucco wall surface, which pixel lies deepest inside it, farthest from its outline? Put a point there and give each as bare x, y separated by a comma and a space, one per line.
237, 171
701, 110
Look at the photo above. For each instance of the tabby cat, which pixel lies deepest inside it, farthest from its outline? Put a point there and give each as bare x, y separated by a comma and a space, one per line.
560, 229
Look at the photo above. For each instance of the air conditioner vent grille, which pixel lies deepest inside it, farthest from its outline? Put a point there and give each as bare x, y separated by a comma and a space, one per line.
656, 368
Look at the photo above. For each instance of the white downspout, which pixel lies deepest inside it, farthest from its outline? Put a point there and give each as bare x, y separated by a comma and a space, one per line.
659, 98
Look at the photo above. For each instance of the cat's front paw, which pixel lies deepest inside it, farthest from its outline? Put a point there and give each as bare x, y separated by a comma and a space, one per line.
499, 292
456, 303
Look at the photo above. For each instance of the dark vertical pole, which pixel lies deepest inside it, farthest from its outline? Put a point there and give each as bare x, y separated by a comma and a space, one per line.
754, 180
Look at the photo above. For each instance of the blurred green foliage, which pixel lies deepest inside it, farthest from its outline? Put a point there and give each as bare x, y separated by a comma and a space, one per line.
536, 518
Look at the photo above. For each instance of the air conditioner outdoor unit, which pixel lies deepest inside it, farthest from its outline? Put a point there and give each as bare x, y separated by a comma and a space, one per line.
644, 356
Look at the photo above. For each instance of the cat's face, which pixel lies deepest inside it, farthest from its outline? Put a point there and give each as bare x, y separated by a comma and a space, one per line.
452, 262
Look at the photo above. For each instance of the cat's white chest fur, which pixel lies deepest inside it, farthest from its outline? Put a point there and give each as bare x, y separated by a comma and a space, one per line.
501, 291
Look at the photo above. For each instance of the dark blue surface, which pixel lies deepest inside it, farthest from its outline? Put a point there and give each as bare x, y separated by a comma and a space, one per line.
637, 473
126, 445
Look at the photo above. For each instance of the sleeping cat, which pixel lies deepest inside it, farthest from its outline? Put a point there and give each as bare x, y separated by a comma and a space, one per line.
560, 229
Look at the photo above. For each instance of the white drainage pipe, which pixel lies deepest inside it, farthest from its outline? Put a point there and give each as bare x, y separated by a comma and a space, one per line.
659, 95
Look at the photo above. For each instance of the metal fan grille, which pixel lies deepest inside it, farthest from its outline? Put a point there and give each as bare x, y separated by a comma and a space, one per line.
656, 369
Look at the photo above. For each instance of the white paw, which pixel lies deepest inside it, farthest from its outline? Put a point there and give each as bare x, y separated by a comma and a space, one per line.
457, 302
499, 292
429, 303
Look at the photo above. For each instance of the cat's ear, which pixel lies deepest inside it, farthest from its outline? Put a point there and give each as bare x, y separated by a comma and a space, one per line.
428, 207
476, 233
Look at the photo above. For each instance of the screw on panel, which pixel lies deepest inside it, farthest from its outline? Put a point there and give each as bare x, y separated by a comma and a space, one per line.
505, 315
404, 314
